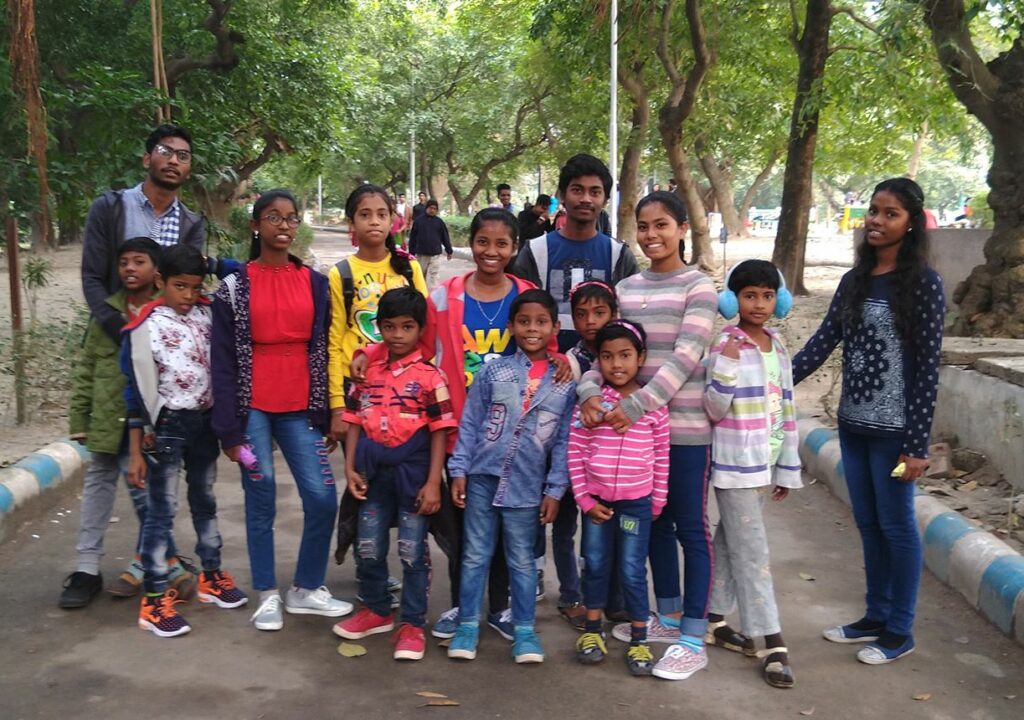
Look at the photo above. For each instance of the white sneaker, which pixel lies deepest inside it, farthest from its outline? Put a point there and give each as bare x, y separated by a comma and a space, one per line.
300, 601
268, 614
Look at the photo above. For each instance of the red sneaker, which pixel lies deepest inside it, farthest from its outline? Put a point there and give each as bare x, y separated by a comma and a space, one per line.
410, 642
363, 623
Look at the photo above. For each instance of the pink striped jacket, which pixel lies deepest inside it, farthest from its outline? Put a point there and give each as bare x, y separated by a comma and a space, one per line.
736, 401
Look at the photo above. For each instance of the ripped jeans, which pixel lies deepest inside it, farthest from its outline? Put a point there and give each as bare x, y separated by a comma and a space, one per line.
376, 516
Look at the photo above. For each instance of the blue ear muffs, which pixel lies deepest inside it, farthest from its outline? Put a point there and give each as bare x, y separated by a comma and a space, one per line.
729, 304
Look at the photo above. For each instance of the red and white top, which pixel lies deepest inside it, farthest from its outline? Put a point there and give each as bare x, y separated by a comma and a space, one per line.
604, 464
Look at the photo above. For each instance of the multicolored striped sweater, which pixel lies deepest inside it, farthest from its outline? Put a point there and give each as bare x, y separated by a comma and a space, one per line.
604, 464
677, 310
736, 400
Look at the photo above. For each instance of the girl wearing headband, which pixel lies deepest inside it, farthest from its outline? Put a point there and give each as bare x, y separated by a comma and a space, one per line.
620, 482
888, 313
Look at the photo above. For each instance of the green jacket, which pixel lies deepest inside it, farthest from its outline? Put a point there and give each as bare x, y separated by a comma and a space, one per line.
97, 395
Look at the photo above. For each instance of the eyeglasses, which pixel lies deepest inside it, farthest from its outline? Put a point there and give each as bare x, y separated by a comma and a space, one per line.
276, 220
184, 156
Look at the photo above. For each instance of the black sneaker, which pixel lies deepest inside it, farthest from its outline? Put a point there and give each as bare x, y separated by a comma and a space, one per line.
540, 585
79, 590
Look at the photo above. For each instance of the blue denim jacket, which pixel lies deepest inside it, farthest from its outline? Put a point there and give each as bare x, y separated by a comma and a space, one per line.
496, 437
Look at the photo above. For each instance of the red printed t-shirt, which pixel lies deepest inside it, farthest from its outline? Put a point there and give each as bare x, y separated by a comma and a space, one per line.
533, 378
281, 314
400, 398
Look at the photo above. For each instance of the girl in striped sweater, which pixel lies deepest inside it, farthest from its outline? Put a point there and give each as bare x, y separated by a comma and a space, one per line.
749, 400
620, 482
677, 306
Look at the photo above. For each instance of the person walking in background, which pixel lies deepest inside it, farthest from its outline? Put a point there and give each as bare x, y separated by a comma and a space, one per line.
428, 239
534, 221
888, 313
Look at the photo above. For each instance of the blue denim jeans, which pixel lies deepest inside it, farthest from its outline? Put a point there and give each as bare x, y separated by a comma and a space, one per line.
482, 523
182, 437
303, 448
684, 521
563, 548
377, 514
883, 507
626, 537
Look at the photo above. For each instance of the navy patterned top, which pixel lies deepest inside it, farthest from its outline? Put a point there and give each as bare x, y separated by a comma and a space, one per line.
889, 386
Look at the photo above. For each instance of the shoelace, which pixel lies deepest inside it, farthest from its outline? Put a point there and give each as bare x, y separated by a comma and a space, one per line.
589, 641
224, 580
640, 653
271, 604
450, 614
165, 606
506, 615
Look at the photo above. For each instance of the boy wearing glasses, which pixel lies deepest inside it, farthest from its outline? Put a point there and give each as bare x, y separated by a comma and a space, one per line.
150, 209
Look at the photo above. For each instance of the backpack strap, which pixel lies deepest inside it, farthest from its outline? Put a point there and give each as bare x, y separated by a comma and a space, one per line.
348, 286
616, 254
539, 249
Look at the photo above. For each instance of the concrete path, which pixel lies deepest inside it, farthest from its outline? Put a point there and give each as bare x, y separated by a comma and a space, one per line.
95, 663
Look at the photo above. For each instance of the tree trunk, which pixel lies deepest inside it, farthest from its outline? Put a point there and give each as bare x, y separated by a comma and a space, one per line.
915, 155
797, 189
748, 196
629, 181
990, 298
701, 252
720, 177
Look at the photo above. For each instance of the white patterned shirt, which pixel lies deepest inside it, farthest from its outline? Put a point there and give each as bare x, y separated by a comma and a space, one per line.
181, 350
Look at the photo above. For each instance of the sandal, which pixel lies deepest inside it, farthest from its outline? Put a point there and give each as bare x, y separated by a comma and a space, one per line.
575, 615
776, 673
729, 640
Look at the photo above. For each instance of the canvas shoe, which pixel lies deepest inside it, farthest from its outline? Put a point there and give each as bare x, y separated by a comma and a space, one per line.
300, 601
657, 631
526, 646
79, 589
875, 654
410, 642
847, 634
446, 624
640, 659
364, 623
463, 645
680, 662
268, 615
590, 648
128, 583
501, 623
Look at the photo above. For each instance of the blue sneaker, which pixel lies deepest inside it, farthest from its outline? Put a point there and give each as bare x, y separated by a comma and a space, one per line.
526, 646
848, 634
446, 624
463, 645
875, 654
502, 623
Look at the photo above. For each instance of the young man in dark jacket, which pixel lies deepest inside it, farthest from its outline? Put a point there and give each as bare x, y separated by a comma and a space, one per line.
150, 209
429, 237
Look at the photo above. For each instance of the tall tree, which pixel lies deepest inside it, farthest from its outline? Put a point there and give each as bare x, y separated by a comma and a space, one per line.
990, 299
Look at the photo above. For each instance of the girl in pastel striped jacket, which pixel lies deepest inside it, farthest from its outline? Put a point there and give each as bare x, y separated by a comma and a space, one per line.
748, 397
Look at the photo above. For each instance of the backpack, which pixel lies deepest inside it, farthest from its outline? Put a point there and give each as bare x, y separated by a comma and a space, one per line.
348, 285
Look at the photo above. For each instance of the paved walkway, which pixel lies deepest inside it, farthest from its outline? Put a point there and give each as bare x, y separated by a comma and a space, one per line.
95, 663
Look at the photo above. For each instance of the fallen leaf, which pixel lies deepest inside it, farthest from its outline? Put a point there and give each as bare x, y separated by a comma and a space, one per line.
1010, 697
445, 643
962, 640
968, 486
351, 650
429, 694
806, 576
808, 711
440, 702
923, 696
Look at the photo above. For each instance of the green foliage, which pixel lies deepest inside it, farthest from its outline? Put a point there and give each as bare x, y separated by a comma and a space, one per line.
458, 229
36, 273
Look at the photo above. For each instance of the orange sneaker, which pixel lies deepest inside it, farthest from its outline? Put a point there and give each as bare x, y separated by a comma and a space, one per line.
157, 614
218, 587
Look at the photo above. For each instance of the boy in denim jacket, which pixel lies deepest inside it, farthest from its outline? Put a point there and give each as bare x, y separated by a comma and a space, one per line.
515, 423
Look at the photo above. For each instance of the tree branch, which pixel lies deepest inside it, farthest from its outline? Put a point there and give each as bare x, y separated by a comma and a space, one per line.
794, 31
662, 50
222, 59
856, 18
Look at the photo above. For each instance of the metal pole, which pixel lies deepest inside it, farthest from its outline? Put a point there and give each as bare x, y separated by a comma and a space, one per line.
14, 273
410, 192
613, 125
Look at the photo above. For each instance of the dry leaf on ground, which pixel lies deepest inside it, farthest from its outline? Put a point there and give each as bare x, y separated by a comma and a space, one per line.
923, 696
429, 694
351, 650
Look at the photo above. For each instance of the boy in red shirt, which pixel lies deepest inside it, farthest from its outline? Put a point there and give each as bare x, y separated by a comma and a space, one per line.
394, 452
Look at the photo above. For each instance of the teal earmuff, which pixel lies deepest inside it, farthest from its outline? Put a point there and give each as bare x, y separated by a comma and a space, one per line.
729, 304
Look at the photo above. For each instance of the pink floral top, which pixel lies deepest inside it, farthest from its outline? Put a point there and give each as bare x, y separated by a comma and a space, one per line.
181, 349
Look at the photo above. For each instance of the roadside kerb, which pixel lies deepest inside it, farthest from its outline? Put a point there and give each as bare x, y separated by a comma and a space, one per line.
982, 568
36, 475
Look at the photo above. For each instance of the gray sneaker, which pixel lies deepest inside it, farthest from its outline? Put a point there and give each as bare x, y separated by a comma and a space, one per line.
300, 601
268, 614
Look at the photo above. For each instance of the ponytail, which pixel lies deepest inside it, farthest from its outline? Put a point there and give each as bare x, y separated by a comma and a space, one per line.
400, 260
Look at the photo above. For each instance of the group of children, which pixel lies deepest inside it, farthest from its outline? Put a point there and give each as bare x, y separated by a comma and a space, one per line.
458, 403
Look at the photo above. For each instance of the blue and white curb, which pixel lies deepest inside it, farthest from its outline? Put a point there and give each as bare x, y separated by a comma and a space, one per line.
46, 469
978, 565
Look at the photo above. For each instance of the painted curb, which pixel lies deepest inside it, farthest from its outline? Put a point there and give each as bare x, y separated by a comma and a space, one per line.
40, 472
978, 565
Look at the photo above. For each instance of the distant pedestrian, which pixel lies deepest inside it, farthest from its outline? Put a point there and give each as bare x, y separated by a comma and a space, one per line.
505, 198
888, 313
427, 241
534, 221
